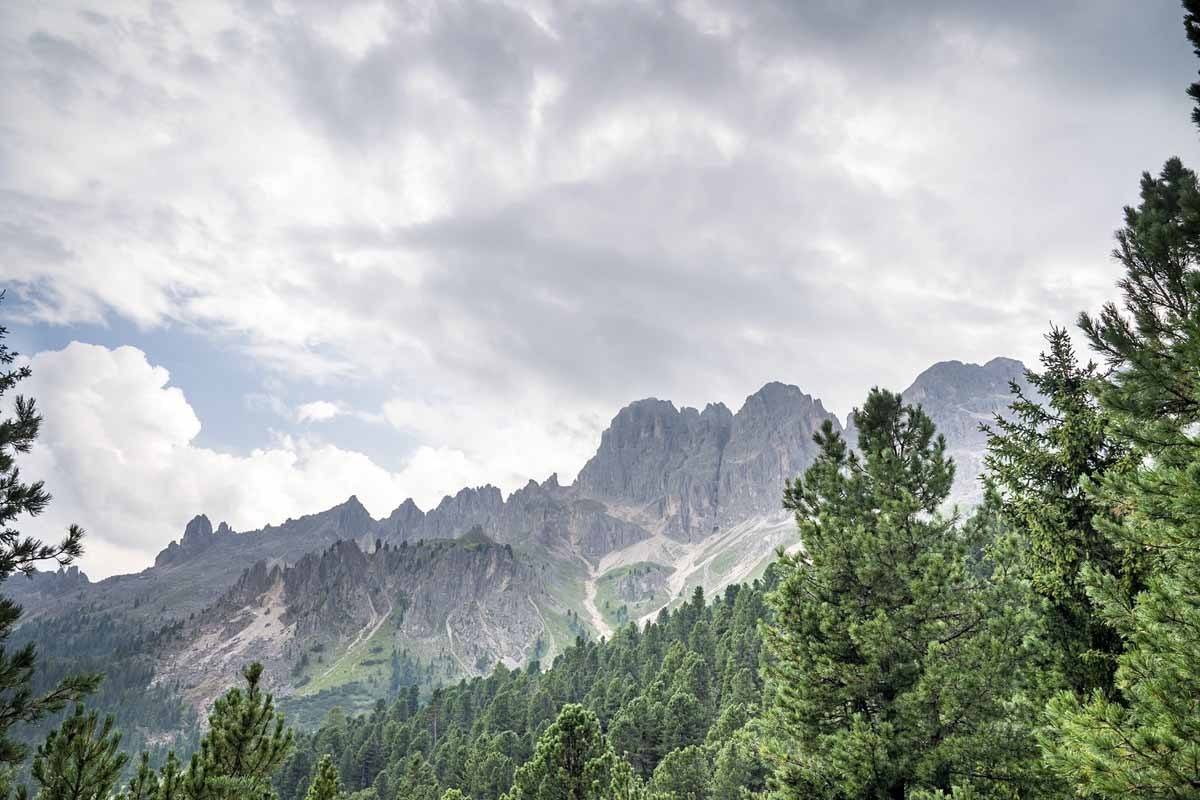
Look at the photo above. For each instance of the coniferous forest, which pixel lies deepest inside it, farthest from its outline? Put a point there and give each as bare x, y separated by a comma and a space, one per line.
1043, 644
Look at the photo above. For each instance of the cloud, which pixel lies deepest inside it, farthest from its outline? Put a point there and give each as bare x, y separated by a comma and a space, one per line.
481, 444
317, 411
599, 201
118, 452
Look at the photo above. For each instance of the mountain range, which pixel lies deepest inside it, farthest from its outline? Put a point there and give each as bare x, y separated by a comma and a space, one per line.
344, 609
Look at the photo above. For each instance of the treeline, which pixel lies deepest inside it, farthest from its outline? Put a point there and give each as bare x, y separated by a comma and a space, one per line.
678, 701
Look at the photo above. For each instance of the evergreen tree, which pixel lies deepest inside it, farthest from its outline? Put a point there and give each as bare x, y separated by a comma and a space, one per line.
245, 744
901, 657
166, 784
18, 554
684, 774
326, 785
1042, 457
572, 761
738, 771
1145, 742
418, 781
79, 760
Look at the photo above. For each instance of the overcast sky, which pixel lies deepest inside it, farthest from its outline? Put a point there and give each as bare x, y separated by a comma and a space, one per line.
264, 255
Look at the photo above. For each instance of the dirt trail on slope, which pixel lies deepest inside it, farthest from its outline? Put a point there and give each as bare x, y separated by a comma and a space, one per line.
545, 628
367, 632
450, 637
589, 601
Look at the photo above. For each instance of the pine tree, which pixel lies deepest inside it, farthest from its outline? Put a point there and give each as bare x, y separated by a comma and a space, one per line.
738, 770
80, 760
245, 744
144, 785
326, 785
21, 555
1145, 741
166, 784
901, 657
572, 762
1042, 457
683, 775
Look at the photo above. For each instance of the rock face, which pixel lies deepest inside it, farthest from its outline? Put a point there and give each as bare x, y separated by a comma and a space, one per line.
770, 443
697, 471
663, 460
470, 600
58, 584
959, 398
197, 537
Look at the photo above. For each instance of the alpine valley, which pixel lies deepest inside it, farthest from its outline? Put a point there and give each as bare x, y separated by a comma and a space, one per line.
343, 609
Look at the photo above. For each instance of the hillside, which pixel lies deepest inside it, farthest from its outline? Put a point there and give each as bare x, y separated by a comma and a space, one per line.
685, 688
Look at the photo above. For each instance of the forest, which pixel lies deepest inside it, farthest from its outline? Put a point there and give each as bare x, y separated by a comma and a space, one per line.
1045, 644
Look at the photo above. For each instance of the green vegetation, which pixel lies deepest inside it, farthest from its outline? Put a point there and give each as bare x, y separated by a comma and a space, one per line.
626, 594
20, 700
690, 679
904, 652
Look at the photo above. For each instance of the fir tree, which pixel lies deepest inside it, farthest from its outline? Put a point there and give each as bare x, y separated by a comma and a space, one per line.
326, 785
572, 762
1145, 742
901, 656
80, 760
245, 744
1042, 456
19, 554
684, 774
166, 784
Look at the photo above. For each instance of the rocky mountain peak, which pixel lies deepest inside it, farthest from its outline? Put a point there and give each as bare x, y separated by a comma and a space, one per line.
664, 459
405, 517
198, 536
353, 517
959, 397
770, 442
199, 529
57, 582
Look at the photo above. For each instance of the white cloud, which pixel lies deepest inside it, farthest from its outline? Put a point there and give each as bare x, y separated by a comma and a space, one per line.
317, 411
482, 444
117, 451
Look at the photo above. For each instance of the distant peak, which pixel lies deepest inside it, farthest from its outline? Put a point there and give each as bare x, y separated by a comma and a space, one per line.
774, 390
200, 527
1002, 362
647, 406
774, 395
997, 364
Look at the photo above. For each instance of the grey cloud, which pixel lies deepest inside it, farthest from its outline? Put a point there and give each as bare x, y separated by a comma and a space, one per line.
727, 240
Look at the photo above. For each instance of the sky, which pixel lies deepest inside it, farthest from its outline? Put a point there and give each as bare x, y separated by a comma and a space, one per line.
265, 255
